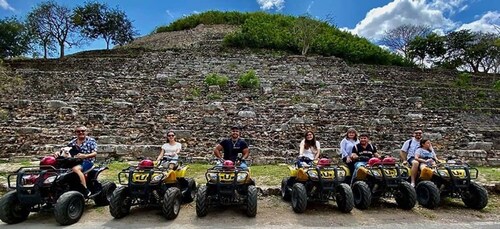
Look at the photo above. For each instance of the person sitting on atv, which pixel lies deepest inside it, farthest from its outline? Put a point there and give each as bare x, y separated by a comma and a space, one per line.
309, 150
83, 147
170, 149
425, 156
346, 145
232, 147
362, 152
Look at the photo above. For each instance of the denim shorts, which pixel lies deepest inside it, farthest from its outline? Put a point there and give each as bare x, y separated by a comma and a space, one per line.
86, 165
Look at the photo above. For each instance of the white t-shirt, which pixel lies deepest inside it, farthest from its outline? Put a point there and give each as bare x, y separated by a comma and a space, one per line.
311, 152
171, 149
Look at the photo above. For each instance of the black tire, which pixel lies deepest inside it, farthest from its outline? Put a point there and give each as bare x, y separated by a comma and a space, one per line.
11, 211
171, 203
252, 201
69, 208
285, 189
362, 195
190, 193
476, 196
119, 205
104, 197
299, 198
344, 198
405, 196
201, 201
428, 194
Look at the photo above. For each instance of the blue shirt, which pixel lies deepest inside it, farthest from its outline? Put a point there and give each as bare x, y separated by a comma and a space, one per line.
415, 144
425, 154
88, 146
232, 149
346, 147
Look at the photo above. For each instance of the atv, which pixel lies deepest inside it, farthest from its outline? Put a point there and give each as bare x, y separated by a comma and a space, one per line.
153, 185
51, 186
227, 184
382, 178
450, 179
319, 182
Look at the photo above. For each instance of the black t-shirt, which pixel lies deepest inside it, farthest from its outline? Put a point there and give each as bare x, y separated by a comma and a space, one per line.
233, 148
364, 153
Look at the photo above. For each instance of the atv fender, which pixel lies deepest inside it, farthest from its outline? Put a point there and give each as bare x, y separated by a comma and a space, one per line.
181, 172
170, 177
293, 171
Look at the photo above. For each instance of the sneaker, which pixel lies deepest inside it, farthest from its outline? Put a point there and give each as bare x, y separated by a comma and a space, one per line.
413, 185
87, 193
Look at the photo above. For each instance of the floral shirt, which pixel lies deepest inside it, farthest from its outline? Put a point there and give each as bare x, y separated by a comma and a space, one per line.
88, 146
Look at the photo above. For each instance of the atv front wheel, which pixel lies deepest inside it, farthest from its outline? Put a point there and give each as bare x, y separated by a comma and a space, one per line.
190, 193
119, 205
362, 195
252, 201
428, 194
475, 196
172, 203
285, 190
69, 208
405, 196
201, 201
299, 198
105, 195
344, 198
11, 210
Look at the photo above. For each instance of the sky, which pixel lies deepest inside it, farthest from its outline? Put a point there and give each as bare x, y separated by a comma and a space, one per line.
366, 18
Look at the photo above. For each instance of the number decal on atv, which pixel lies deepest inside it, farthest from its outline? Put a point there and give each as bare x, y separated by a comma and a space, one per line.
327, 174
458, 173
141, 177
226, 177
390, 172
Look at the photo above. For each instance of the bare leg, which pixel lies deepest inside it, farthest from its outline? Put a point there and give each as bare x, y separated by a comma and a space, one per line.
414, 171
78, 170
402, 156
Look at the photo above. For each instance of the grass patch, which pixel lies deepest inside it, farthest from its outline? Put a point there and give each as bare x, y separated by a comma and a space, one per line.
489, 173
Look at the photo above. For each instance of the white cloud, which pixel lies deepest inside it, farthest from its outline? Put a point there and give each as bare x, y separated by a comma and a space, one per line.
168, 13
196, 12
270, 4
309, 7
400, 12
486, 23
449, 6
5, 5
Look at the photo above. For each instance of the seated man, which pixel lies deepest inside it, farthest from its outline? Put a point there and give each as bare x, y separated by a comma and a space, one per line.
232, 147
83, 147
362, 152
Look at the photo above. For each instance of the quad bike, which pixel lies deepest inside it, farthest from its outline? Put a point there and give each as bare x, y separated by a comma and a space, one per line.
227, 184
150, 185
51, 186
450, 179
320, 182
383, 178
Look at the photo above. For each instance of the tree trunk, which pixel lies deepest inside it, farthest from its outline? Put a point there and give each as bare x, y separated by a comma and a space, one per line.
45, 51
61, 45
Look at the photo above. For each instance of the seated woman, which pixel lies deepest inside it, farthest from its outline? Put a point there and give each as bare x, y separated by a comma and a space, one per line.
426, 156
309, 148
170, 149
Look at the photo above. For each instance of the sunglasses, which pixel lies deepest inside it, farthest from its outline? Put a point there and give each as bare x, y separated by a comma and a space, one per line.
418, 133
170, 135
80, 131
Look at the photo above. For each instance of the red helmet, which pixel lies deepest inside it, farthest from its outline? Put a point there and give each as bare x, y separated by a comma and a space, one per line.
48, 160
373, 161
228, 164
324, 162
145, 164
389, 161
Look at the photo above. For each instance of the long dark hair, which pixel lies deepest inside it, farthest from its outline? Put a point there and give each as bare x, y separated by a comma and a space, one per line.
422, 142
309, 143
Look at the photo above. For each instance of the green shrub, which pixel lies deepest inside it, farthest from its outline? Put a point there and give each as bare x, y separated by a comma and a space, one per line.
249, 80
4, 115
496, 86
463, 80
196, 92
214, 79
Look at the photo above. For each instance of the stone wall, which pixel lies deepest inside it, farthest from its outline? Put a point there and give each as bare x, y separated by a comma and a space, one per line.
129, 101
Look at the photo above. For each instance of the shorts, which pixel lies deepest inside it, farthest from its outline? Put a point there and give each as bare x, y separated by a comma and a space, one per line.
86, 165
410, 160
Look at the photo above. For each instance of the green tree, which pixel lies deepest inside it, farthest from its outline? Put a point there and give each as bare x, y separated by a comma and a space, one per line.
430, 47
14, 38
96, 20
38, 25
399, 38
306, 31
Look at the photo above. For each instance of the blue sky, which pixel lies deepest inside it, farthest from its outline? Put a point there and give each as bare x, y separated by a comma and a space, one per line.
367, 18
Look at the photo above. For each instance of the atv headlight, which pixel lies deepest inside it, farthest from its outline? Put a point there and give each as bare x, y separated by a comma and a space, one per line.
211, 177
375, 173
312, 174
443, 173
157, 178
340, 173
242, 177
49, 180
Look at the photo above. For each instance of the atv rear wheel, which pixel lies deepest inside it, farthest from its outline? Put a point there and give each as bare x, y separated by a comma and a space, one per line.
190, 193
201, 201
428, 194
105, 195
405, 196
285, 189
252, 201
475, 196
299, 198
362, 195
11, 210
344, 198
172, 203
119, 205
69, 208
